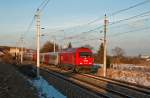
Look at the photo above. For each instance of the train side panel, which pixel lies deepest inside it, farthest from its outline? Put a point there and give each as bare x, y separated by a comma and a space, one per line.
46, 58
67, 58
78, 57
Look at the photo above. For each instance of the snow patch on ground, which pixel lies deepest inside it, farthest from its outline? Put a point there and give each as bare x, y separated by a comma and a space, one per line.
132, 67
133, 73
45, 90
141, 78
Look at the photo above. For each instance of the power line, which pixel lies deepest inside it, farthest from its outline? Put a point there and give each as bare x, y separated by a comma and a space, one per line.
114, 35
29, 26
114, 13
132, 22
120, 11
83, 40
118, 34
136, 16
82, 33
130, 7
111, 14
45, 2
43, 5
133, 17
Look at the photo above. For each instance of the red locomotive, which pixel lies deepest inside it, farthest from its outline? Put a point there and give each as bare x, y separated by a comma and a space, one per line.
71, 58
78, 58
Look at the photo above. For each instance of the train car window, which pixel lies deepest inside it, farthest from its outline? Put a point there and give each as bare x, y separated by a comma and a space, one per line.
85, 54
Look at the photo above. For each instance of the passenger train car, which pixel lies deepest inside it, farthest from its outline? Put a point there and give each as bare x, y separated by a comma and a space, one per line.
71, 58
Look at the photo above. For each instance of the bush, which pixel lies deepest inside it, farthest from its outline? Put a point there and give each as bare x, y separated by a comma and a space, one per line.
7, 58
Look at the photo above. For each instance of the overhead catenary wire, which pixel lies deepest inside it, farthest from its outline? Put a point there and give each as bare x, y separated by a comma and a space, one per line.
118, 26
116, 22
42, 4
83, 40
120, 11
113, 35
29, 26
118, 34
136, 16
45, 2
111, 14
23, 35
130, 7
41, 7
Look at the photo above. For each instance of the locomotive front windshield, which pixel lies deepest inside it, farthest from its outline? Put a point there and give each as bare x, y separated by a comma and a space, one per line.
85, 54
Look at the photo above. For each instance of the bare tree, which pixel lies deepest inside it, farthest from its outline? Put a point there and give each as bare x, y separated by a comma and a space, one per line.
118, 53
49, 47
100, 54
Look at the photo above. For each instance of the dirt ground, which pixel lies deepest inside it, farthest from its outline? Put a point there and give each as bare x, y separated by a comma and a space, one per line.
13, 84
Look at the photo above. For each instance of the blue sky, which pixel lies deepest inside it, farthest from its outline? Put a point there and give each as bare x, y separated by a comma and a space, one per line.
67, 17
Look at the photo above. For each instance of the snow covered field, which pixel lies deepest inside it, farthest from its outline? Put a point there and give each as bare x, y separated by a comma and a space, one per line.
45, 90
132, 67
131, 73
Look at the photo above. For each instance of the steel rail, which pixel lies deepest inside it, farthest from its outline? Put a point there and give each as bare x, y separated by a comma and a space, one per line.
80, 83
122, 87
133, 86
63, 77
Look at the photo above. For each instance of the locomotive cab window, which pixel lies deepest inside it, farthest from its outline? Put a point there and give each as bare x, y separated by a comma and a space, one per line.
85, 54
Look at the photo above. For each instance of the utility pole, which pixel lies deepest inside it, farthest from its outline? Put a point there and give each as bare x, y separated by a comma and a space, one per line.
54, 44
65, 41
37, 16
21, 50
16, 52
105, 42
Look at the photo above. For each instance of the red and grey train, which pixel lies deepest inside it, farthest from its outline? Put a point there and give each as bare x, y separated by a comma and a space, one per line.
71, 58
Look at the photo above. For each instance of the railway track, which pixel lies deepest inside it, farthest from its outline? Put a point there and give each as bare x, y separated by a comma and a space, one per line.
99, 87
129, 85
130, 90
94, 91
105, 87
